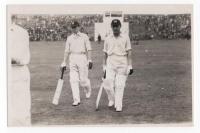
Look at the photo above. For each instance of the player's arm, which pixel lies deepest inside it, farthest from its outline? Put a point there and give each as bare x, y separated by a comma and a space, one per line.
23, 57
26, 49
89, 52
90, 64
66, 54
105, 56
104, 64
88, 48
89, 55
129, 56
130, 67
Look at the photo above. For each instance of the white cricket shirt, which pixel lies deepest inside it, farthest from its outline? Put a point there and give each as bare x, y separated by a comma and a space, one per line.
78, 43
117, 45
18, 40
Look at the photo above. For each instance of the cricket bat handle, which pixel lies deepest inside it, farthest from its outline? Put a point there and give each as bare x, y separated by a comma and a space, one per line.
62, 73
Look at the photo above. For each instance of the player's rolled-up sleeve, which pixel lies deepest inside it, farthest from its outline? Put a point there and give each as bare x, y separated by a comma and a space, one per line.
88, 44
67, 48
128, 44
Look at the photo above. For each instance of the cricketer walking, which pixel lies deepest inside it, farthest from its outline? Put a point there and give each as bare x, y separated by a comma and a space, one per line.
117, 63
78, 50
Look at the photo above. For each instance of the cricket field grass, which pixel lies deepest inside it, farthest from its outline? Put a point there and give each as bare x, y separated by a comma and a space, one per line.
159, 92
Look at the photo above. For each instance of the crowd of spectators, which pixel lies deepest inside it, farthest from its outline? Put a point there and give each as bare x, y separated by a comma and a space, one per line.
159, 26
57, 27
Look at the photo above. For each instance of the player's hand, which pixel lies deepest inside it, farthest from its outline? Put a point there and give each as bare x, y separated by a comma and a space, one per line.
130, 70
90, 64
15, 62
63, 65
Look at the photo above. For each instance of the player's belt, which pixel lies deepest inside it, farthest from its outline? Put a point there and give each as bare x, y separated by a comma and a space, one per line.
113, 54
77, 53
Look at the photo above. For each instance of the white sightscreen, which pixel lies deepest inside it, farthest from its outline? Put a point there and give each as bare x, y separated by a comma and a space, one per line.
104, 29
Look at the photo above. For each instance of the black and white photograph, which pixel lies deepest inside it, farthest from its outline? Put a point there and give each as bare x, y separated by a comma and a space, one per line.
99, 65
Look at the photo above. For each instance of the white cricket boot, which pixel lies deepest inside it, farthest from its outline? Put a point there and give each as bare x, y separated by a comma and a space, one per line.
88, 94
118, 109
110, 103
88, 91
76, 103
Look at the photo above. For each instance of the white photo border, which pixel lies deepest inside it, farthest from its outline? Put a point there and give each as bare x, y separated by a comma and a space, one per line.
196, 66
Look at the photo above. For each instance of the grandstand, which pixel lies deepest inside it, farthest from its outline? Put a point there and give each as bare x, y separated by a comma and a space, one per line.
176, 26
140, 27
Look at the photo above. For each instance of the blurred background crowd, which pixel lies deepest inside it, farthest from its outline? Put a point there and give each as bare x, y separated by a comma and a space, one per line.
159, 26
56, 27
141, 27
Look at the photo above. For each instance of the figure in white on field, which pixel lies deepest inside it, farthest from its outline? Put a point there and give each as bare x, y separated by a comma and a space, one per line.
19, 98
78, 50
117, 64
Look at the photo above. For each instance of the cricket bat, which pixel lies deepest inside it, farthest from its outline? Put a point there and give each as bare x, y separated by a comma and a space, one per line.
100, 92
58, 88
99, 96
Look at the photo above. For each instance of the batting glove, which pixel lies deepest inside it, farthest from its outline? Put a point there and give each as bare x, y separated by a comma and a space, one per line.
130, 70
90, 64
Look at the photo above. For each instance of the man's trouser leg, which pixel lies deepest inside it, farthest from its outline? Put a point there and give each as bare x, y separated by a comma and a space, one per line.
118, 73
119, 90
109, 84
74, 82
83, 75
84, 80
19, 101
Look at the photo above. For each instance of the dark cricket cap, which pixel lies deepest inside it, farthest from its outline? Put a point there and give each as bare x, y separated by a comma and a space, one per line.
115, 22
74, 24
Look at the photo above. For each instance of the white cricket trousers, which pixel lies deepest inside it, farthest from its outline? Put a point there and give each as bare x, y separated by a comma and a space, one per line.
116, 75
78, 74
19, 98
